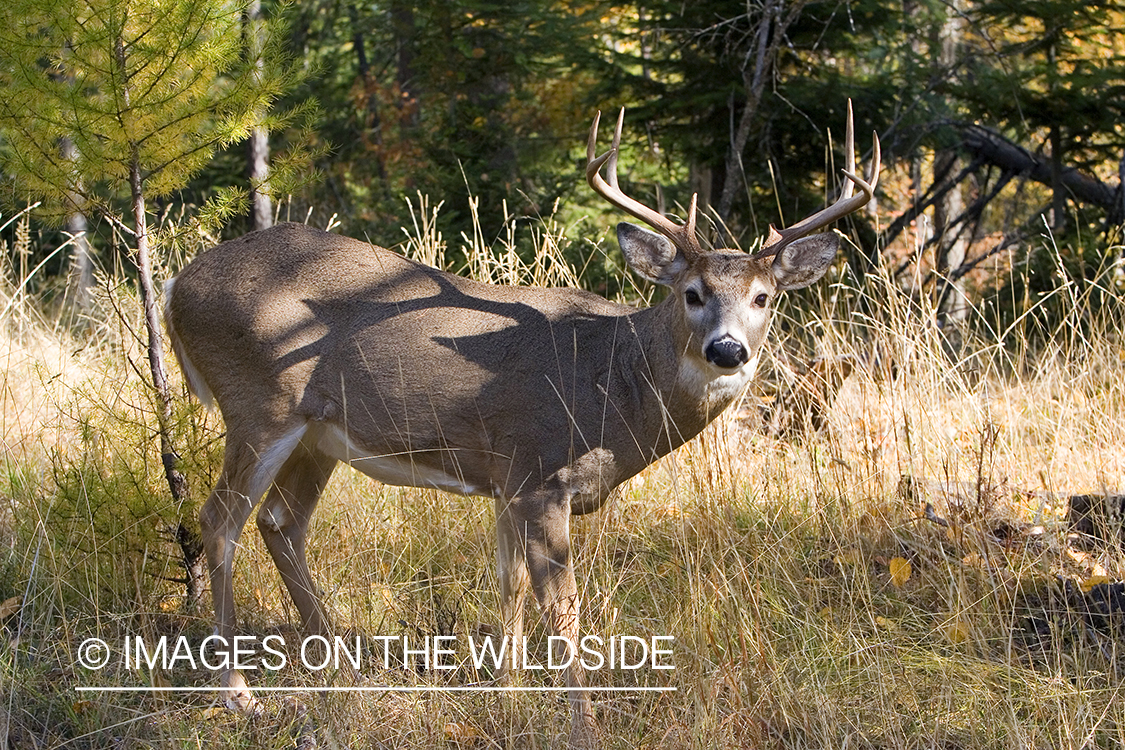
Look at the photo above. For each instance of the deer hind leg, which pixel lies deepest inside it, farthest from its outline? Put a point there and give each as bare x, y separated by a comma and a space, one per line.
544, 524
249, 467
283, 521
511, 568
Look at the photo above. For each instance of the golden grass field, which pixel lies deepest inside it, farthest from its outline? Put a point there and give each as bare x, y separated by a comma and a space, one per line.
811, 600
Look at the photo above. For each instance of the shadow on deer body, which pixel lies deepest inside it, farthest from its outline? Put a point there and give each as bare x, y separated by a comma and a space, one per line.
319, 349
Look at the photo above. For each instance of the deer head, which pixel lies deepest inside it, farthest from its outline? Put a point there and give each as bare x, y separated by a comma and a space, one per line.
723, 297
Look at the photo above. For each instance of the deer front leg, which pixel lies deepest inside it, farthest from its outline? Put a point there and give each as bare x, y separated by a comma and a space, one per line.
511, 569
545, 528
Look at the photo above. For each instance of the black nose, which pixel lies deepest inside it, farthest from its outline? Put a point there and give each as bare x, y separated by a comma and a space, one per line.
726, 353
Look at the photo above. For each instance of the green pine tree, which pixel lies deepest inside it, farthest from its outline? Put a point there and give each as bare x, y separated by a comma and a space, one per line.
143, 92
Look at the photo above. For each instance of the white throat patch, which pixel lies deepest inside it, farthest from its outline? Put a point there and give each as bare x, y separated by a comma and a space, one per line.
712, 387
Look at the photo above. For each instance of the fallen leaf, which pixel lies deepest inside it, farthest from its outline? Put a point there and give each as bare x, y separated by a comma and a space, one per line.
388, 596
460, 731
1087, 561
9, 607
900, 571
1088, 584
956, 631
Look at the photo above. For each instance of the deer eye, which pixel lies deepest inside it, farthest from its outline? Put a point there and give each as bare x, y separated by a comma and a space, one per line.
761, 300
691, 297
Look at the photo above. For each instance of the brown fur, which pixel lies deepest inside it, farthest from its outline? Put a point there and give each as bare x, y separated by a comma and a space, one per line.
318, 348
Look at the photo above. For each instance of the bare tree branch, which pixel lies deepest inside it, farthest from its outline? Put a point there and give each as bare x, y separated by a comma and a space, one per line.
994, 148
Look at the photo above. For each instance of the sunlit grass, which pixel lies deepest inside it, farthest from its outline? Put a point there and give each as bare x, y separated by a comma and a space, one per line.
769, 561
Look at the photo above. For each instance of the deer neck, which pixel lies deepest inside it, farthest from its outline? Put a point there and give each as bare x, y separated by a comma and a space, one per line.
683, 389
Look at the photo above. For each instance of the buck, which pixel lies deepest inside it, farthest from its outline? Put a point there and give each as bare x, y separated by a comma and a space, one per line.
320, 350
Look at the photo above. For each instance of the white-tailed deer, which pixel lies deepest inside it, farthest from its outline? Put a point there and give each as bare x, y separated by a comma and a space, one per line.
320, 349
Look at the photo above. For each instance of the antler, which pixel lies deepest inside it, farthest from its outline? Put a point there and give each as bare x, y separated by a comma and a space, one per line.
846, 204
682, 236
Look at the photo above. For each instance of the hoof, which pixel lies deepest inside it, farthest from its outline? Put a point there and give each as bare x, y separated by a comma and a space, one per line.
236, 695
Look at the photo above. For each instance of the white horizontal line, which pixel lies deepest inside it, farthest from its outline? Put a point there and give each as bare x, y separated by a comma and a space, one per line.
378, 689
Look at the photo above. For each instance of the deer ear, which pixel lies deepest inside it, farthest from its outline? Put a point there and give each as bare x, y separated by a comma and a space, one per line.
651, 255
802, 262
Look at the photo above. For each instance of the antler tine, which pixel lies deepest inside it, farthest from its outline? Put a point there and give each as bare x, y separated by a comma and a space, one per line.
682, 236
849, 151
689, 228
615, 150
593, 165
847, 202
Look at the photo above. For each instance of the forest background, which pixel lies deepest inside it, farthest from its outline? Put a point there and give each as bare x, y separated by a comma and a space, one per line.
992, 115
877, 548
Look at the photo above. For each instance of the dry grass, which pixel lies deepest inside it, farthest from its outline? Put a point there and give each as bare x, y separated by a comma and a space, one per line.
769, 561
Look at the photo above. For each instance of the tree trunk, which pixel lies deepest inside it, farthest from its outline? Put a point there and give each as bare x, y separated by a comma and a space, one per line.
258, 146
753, 81
1058, 193
82, 262
1116, 213
261, 205
403, 27
186, 535
951, 244
756, 68
995, 149
190, 545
